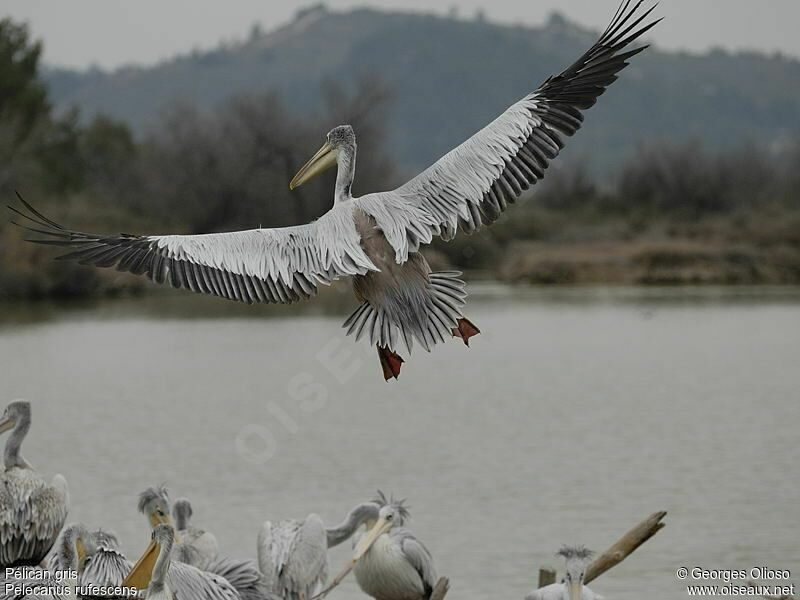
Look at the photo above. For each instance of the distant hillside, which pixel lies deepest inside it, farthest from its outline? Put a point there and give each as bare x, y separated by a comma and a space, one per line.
450, 77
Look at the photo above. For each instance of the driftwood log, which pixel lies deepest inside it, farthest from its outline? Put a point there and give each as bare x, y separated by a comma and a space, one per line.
547, 576
625, 546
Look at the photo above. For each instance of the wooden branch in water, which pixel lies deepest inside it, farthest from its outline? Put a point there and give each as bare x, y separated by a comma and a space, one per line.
440, 589
626, 545
547, 576
336, 581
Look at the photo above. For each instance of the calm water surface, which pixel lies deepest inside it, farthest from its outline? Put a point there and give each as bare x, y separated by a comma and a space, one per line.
574, 415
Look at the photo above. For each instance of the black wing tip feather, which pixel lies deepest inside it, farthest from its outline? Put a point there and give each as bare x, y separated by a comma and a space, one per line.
140, 255
580, 84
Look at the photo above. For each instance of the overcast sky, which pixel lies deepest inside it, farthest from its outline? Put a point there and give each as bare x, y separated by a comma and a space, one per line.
110, 33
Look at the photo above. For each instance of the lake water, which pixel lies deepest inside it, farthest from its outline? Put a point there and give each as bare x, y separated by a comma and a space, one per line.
575, 414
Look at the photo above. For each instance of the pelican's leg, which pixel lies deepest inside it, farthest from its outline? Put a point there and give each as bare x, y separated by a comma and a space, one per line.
465, 330
390, 362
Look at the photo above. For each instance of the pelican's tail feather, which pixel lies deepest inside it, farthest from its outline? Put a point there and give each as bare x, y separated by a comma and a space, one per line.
429, 312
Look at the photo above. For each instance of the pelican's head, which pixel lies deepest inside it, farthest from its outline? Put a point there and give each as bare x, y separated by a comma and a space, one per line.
19, 411
340, 143
577, 557
181, 513
392, 513
154, 504
75, 547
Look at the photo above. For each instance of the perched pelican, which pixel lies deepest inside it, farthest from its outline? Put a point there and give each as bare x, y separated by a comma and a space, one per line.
162, 578
242, 575
390, 562
158, 588
293, 554
106, 566
31, 511
199, 547
71, 552
376, 238
572, 587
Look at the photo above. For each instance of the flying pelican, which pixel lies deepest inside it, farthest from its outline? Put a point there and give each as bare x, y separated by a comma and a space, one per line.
390, 562
241, 574
572, 587
158, 574
31, 511
376, 238
293, 554
199, 547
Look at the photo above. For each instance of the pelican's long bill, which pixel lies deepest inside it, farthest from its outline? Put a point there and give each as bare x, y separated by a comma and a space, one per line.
323, 160
365, 543
575, 590
142, 571
6, 423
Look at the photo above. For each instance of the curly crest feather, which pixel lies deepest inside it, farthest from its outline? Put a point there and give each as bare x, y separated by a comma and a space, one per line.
581, 552
153, 494
399, 505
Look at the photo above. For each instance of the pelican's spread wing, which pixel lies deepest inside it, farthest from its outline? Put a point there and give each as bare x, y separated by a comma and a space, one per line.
474, 182
279, 265
419, 558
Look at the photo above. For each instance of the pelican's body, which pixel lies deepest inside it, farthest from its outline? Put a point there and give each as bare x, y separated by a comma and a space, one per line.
560, 591
376, 238
572, 587
71, 553
293, 554
197, 547
391, 563
32, 512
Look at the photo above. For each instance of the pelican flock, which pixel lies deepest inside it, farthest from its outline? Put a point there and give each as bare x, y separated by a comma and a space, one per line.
389, 561
376, 239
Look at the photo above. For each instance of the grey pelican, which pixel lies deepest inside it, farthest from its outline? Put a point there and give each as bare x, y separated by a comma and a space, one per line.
71, 552
293, 554
199, 547
390, 562
161, 577
158, 588
376, 238
572, 587
32, 511
240, 574
106, 566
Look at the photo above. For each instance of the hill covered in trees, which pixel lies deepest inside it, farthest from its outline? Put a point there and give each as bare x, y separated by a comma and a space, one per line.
448, 77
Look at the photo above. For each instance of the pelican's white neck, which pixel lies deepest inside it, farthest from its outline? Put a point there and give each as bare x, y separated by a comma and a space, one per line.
345, 171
